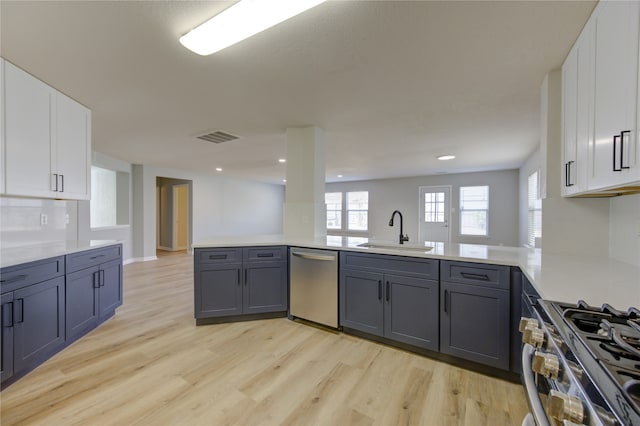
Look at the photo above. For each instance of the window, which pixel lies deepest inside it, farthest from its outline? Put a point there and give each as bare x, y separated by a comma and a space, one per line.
474, 210
109, 205
434, 207
350, 208
358, 210
534, 215
334, 209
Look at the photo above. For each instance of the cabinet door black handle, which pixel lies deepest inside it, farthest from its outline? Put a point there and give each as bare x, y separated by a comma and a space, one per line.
217, 256
96, 279
18, 311
379, 289
470, 276
615, 145
238, 276
55, 177
446, 300
62, 183
245, 277
7, 314
387, 296
567, 174
14, 279
265, 254
628, 132
102, 278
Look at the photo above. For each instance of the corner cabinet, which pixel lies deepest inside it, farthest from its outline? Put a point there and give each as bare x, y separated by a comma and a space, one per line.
240, 281
46, 139
475, 312
600, 103
390, 296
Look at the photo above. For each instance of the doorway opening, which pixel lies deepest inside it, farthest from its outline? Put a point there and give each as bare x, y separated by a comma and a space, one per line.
174, 218
435, 213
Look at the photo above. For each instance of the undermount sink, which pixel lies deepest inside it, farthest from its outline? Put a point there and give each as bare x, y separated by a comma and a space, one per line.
396, 247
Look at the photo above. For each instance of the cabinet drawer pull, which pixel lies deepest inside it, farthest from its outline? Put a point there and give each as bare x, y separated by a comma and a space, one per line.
18, 311
615, 145
14, 279
470, 276
379, 289
388, 291
217, 256
96, 257
622, 139
265, 254
7, 314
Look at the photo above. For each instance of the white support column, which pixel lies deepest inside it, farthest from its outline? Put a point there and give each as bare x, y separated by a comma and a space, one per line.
304, 207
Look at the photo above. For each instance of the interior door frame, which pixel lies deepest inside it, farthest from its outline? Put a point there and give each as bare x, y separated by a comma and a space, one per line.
175, 207
447, 213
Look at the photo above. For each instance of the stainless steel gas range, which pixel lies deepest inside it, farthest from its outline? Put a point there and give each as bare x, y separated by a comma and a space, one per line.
581, 364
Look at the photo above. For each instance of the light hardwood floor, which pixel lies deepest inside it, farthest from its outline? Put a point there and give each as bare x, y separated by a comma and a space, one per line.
150, 365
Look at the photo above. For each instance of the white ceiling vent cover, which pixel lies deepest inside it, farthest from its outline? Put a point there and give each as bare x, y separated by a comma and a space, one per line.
217, 137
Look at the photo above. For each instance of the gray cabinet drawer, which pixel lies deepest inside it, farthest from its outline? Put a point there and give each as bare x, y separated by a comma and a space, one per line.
18, 276
261, 254
475, 274
222, 255
425, 268
88, 258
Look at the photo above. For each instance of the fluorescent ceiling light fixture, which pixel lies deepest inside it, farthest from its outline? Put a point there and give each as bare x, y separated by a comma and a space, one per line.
218, 169
446, 157
241, 21
282, 160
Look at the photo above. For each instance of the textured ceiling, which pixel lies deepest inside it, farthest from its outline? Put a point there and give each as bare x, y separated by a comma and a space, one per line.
393, 84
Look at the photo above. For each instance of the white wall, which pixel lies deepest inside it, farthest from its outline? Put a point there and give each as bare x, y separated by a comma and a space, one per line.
624, 229
387, 195
221, 206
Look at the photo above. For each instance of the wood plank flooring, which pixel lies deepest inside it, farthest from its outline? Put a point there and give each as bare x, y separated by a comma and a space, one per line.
150, 365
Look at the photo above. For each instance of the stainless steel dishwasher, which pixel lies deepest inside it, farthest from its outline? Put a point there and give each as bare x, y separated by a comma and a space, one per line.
314, 285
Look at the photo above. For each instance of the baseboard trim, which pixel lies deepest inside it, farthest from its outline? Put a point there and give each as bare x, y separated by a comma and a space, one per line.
139, 259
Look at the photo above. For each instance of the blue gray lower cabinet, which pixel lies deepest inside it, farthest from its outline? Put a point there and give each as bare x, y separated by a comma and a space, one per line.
376, 299
475, 312
49, 303
239, 281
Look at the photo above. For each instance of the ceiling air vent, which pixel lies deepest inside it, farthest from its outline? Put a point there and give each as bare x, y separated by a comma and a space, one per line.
217, 137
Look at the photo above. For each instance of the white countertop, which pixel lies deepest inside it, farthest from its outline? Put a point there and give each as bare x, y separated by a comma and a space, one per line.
565, 278
28, 253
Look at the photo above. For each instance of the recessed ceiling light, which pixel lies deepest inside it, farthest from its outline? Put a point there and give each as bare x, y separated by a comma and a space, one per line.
218, 169
446, 157
339, 176
284, 180
241, 21
282, 160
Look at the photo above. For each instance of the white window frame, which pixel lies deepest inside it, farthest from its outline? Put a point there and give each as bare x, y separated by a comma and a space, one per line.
486, 210
534, 204
116, 200
344, 228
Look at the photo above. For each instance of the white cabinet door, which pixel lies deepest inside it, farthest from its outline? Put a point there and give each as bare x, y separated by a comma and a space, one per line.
27, 134
577, 112
569, 119
72, 156
612, 154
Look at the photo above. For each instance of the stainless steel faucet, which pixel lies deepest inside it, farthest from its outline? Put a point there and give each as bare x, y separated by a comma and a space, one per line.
402, 238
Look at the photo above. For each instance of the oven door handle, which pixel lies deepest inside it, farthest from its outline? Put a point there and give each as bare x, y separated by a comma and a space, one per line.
530, 388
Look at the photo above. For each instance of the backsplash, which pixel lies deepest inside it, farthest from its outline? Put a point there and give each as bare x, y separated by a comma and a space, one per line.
21, 221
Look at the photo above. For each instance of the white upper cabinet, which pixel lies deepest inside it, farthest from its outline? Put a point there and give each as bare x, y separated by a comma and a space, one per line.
612, 154
577, 112
46, 140
72, 157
